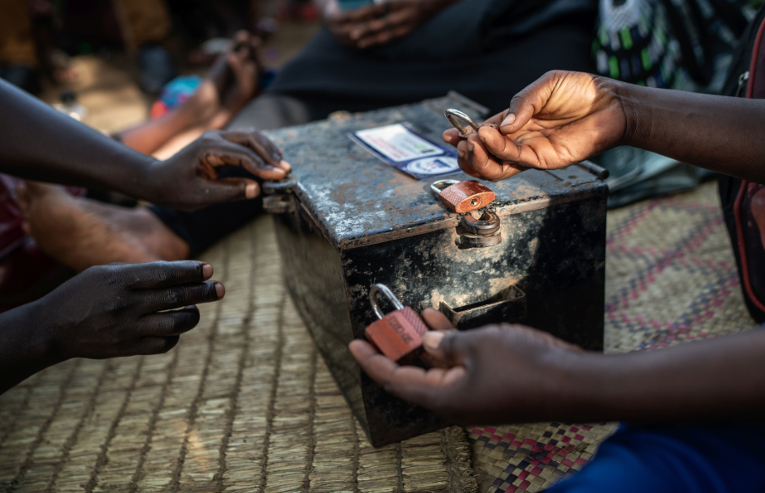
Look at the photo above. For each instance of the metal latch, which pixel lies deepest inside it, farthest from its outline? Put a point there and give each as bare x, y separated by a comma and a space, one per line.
278, 197
479, 229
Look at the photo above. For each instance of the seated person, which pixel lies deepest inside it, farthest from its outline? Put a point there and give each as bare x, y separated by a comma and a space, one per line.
118, 309
695, 410
381, 55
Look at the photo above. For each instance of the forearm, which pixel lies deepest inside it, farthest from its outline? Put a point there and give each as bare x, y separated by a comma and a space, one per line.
25, 349
719, 133
719, 380
151, 135
39, 143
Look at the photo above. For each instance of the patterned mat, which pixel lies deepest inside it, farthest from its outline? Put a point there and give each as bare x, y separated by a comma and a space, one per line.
670, 278
244, 403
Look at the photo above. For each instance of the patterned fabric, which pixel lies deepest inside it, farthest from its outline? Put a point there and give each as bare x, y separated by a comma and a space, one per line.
634, 45
670, 278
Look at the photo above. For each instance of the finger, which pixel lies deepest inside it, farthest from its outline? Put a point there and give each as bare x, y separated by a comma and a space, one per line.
464, 161
452, 136
449, 347
256, 141
437, 320
156, 345
228, 153
408, 382
169, 323
228, 190
380, 25
161, 274
485, 164
385, 36
528, 102
180, 296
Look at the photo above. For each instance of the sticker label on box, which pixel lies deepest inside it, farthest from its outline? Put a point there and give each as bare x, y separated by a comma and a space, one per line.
404, 148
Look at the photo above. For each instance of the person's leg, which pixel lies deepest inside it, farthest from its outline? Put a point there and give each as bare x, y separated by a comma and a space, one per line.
691, 459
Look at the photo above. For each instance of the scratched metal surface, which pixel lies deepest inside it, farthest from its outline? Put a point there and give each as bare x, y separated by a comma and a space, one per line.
354, 195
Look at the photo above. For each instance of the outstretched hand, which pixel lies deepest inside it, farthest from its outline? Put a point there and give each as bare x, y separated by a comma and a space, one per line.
560, 119
122, 309
496, 374
189, 179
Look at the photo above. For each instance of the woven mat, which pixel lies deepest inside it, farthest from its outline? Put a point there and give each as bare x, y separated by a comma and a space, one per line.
244, 403
670, 278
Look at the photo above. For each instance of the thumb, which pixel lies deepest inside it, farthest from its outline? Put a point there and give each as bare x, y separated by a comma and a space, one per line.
447, 347
527, 103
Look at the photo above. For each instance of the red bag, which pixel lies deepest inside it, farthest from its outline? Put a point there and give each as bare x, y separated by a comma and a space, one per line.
26, 273
747, 79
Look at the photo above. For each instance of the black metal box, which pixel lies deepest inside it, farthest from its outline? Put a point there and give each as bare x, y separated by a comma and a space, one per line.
352, 221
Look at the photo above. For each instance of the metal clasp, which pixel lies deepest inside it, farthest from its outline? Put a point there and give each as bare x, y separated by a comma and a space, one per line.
382, 288
479, 230
460, 121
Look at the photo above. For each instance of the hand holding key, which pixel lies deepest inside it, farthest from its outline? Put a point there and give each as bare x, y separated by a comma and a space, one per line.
560, 119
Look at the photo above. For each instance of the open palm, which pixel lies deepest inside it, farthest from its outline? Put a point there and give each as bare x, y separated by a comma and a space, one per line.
561, 119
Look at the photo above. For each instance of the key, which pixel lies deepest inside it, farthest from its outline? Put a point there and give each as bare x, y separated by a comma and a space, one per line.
463, 196
397, 335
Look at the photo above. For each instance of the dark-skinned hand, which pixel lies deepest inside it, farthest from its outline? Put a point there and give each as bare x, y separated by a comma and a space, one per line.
120, 309
495, 374
379, 24
558, 120
189, 179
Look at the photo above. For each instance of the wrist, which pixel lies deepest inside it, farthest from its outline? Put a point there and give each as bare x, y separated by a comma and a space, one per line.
26, 330
581, 387
633, 107
144, 183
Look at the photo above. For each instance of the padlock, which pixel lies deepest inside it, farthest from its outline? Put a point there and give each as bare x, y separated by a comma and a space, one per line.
463, 196
398, 335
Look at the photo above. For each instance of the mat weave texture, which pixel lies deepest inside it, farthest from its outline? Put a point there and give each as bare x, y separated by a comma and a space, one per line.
244, 403
670, 278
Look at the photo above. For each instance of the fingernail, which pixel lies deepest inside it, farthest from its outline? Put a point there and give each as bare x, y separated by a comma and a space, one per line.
470, 147
220, 291
509, 119
251, 190
207, 271
432, 339
285, 165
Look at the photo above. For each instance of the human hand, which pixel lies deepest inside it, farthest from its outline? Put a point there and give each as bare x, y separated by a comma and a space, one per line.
188, 180
114, 310
560, 119
496, 374
379, 24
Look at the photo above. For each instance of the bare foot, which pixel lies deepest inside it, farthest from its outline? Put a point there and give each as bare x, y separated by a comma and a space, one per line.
758, 211
82, 233
231, 82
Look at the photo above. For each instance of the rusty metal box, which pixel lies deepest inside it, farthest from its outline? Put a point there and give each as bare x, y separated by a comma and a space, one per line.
349, 221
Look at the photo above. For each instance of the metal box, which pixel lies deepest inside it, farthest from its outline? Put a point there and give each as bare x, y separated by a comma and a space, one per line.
347, 221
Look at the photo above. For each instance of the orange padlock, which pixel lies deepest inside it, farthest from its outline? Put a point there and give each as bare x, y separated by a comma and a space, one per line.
463, 196
398, 335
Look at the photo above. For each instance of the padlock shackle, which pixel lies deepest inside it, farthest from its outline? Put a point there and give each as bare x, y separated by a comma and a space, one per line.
382, 288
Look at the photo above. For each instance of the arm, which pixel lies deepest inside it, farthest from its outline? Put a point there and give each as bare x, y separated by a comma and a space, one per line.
565, 117
39, 143
506, 373
107, 311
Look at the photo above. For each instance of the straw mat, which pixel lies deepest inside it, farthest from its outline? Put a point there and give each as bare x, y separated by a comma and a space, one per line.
244, 403
670, 278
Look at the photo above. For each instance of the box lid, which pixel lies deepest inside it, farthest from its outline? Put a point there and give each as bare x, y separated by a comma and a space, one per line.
356, 199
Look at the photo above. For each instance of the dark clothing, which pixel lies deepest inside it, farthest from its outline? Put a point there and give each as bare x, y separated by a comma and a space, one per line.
668, 459
487, 50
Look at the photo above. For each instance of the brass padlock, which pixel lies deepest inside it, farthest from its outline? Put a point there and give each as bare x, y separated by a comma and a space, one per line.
398, 335
463, 196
